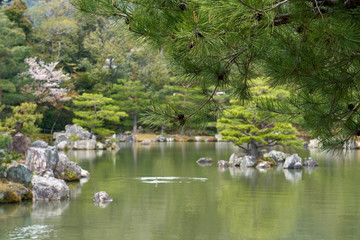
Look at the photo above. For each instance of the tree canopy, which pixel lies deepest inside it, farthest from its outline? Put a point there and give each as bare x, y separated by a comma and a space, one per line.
312, 46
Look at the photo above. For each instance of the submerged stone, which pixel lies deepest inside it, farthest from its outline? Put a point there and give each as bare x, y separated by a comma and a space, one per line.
102, 197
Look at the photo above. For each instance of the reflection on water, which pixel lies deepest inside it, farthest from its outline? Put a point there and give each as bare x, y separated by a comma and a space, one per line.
201, 203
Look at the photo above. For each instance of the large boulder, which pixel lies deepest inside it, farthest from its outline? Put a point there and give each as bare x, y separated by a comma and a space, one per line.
236, 159
102, 197
66, 169
293, 162
62, 145
309, 162
277, 156
85, 144
262, 165
49, 189
124, 137
20, 143
41, 159
248, 161
19, 173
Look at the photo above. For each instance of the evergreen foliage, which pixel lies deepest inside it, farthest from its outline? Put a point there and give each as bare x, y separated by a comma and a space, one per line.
251, 129
94, 110
311, 46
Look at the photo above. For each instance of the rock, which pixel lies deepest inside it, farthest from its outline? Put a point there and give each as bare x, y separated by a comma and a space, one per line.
277, 156
41, 159
20, 143
146, 142
62, 138
218, 137
39, 144
49, 189
309, 162
170, 139
124, 137
19, 173
160, 138
263, 165
314, 143
248, 161
102, 197
236, 159
11, 192
293, 161
84, 173
66, 169
198, 139
204, 161
222, 164
100, 146
84, 144
48, 173
62, 145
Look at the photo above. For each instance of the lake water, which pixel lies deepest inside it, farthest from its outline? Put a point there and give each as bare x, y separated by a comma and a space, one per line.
161, 193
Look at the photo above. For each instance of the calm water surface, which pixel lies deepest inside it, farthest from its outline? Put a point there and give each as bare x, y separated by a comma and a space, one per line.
160, 193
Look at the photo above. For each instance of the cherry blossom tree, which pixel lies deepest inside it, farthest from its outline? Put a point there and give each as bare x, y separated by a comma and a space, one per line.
47, 84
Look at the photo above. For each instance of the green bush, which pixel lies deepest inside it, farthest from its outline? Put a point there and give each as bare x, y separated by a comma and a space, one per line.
4, 141
74, 137
6, 158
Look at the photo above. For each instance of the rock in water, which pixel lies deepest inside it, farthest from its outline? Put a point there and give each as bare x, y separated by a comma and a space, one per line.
263, 165
41, 159
248, 161
309, 162
293, 161
222, 164
66, 169
102, 197
204, 161
49, 189
277, 156
19, 173
236, 159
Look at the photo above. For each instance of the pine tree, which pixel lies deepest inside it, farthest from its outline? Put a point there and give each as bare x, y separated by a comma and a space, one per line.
312, 46
251, 129
94, 110
132, 98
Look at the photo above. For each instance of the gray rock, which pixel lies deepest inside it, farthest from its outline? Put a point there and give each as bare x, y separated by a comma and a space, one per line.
102, 197
85, 145
84, 173
277, 156
49, 189
52, 156
218, 137
170, 139
198, 139
236, 159
248, 161
100, 146
48, 173
222, 164
66, 169
293, 161
146, 142
61, 138
124, 137
309, 162
62, 145
263, 165
19, 173
314, 143
41, 159
204, 161
160, 138
40, 144
20, 143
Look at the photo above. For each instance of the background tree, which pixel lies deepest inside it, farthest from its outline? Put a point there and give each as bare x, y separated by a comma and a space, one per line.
93, 110
13, 51
251, 129
132, 98
24, 119
311, 46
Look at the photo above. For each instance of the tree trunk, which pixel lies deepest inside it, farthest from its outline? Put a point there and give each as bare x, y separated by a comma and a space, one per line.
56, 119
135, 124
254, 149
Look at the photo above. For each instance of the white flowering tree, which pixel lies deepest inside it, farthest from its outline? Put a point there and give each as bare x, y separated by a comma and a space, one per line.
47, 84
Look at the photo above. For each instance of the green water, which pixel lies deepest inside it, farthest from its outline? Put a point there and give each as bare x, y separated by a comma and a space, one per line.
188, 201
